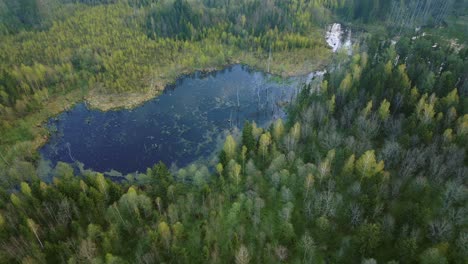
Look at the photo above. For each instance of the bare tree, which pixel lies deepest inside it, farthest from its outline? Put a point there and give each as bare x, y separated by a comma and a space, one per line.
242, 255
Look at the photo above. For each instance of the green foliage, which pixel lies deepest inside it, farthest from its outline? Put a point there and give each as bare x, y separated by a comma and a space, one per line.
311, 190
248, 139
367, 166
384, 110
165, 232
177, 19
346, 83
219, 169
264, 143
278, 130
348, 167
369, 236
230, 147
366, 111
25, 189
432, 256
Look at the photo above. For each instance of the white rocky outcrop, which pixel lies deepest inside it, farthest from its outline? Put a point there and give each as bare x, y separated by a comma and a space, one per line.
338, 38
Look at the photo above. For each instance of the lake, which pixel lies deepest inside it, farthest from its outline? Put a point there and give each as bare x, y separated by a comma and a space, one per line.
187, 122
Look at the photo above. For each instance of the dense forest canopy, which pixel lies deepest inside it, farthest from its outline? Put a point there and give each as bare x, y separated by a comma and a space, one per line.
370, 165
18, 14
371, 168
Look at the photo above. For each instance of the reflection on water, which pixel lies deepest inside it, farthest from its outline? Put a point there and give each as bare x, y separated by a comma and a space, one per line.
180, 126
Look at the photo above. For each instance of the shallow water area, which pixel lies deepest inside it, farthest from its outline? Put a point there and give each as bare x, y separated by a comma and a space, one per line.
182, 125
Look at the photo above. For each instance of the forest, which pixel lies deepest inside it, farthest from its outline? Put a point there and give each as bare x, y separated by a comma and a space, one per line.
370, 165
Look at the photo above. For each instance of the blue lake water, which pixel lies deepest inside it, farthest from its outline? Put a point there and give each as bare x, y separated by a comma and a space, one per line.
180, 126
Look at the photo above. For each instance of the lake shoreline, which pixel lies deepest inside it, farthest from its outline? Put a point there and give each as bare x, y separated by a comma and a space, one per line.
284, 64
102, 101
181, 125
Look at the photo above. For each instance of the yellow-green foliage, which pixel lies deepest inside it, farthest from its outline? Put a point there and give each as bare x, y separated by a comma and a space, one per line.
367, 165
127, 59
108, 44
103, 51
384, 109
230, 147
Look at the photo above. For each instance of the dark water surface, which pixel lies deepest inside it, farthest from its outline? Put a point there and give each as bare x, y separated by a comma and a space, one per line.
180, 126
